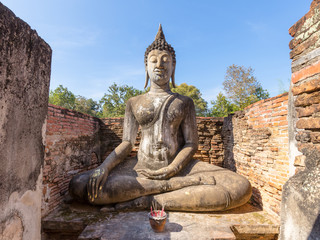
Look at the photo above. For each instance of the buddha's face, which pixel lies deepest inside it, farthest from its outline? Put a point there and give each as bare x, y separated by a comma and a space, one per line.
160, 66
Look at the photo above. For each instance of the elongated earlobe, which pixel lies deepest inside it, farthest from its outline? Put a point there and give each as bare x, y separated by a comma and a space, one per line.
147, 80
172, 78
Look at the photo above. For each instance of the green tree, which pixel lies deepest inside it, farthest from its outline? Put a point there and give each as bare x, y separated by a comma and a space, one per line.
114, 102
242, 87
62, 97
194, 93
221, 107
88, 106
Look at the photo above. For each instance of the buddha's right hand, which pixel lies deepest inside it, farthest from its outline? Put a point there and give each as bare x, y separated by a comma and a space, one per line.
96, 182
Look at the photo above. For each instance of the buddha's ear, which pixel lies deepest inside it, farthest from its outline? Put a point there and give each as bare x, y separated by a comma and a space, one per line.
147, 79
173, 76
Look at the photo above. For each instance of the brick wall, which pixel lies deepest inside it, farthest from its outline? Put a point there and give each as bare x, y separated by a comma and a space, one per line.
72, 146
210, 141
305, 85
300, 206
256, 146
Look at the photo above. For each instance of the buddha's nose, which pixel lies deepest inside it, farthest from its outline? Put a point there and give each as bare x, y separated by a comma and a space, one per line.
159, 64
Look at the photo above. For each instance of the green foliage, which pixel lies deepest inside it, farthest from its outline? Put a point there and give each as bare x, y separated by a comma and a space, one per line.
221, 107
62, 97
194, 93
242, 87
88, 106
114, 102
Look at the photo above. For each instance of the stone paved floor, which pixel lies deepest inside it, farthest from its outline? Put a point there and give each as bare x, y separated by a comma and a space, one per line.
91, 223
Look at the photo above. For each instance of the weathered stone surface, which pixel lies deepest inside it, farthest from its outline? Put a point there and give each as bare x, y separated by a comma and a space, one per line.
266, 232
13, 229
25, 61
300, 161
307, 99
300, 206
135, 225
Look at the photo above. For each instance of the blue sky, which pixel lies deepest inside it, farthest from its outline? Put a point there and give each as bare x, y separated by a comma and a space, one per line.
98, 42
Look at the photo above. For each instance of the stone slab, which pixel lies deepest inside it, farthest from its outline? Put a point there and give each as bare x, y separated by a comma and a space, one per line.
135, 225
94, 223
266, 232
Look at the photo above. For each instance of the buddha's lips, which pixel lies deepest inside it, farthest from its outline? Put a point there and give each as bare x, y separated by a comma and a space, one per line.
157, 70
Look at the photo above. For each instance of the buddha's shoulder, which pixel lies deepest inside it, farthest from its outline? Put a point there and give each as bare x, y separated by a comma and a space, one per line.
136, 99
184, 99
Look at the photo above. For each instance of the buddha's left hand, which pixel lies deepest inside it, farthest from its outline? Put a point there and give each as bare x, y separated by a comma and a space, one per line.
161, 174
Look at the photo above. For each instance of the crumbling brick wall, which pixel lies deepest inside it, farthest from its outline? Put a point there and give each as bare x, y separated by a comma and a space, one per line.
305, 85
72, 146
210, 147
256, 146
300, 205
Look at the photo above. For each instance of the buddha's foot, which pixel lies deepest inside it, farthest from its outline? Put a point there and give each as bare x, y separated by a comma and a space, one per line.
207, 180
140, 203
182, 182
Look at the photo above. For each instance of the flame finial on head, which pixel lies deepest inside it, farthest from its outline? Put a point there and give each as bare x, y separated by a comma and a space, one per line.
160, 34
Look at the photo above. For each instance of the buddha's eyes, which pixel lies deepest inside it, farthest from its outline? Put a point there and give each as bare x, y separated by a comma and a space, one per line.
153, 59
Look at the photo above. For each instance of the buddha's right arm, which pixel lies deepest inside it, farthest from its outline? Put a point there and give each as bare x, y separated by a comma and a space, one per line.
117, 156
99, 176
130, 129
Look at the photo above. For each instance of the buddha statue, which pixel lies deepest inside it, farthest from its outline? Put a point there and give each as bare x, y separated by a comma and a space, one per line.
164, 170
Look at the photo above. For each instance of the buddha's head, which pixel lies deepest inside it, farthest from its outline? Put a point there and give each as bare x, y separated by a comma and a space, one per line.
160, 61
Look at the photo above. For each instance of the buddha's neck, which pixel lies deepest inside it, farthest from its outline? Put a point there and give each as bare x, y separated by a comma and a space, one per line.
154, 88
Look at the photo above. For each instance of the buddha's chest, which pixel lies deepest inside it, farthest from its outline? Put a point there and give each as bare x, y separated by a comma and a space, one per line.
148, 111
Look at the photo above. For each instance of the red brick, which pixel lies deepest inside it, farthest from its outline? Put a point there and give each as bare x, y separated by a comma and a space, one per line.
280, 113
308, 123
306, 72
307, 99
283, 118
308, 110
307, 87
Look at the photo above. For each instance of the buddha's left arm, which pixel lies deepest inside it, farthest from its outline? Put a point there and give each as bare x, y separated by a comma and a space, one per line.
190, 134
